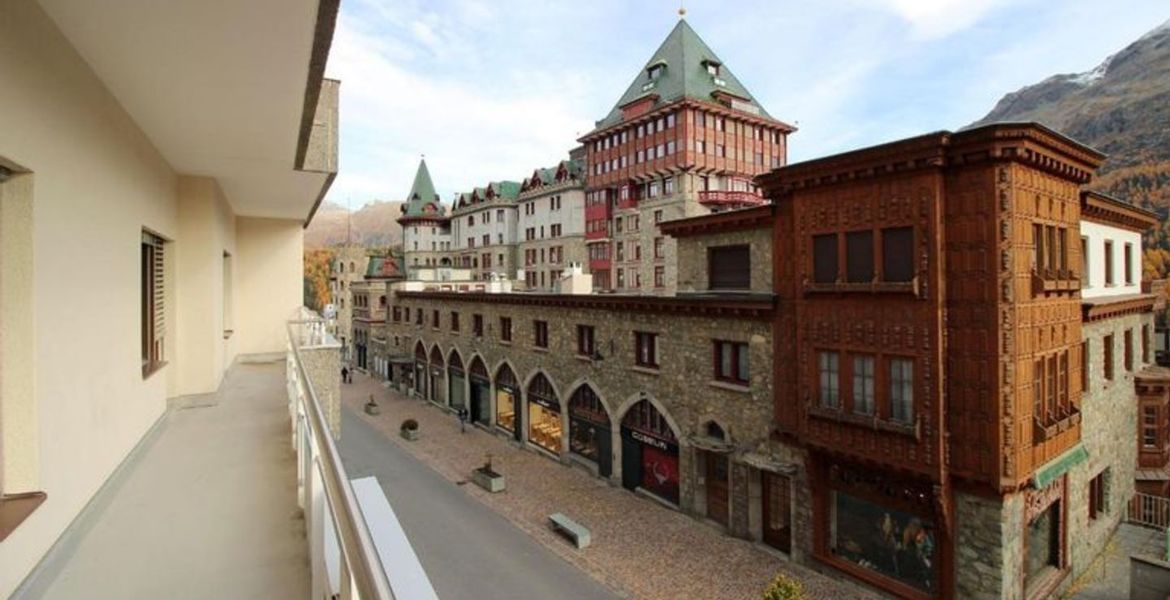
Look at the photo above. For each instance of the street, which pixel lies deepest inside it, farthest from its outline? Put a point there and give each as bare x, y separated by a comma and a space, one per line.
468, 550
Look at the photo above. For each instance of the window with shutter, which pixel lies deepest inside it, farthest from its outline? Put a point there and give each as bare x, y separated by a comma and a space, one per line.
859, 257
825, 258
898, 254
729, 268
153, 307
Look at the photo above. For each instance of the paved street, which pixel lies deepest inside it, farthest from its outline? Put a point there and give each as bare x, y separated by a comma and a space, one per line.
468, 550
639, 547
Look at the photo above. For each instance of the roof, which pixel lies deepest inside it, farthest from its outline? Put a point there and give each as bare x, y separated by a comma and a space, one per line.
385, 267
422, 201
566, 170
685, 56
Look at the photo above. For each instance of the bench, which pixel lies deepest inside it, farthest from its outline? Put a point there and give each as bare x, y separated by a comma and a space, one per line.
570, 529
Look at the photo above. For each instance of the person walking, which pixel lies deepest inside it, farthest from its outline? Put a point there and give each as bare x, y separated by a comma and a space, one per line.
345, 374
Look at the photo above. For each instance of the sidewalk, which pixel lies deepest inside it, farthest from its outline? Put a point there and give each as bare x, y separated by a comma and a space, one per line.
639, 548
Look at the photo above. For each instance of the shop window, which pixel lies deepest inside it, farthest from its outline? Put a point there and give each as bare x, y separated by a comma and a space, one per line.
589, 428
888, 540
507, 390
505, 329
585, 345
1107, 355
729, 267
731, 362
1043, 544
898, 254
863, 385
859, 256
1099, 494
646, 349
540, 334
902, 390
649, 452
829, 382
544, 415
825, 258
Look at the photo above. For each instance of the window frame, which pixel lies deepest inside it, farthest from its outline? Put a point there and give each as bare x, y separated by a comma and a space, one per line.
646, 340
740, 359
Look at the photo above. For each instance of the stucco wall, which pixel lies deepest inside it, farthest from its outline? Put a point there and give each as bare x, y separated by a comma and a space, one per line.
270, 277
1097, 234
97, 181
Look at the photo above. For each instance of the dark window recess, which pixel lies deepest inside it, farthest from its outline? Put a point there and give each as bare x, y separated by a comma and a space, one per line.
898, 254
506, 329
540, 334
729, 268
825, 258
585, 340
646, 349
859, 257
477, 325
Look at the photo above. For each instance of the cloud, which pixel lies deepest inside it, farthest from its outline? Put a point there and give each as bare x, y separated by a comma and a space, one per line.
934, 19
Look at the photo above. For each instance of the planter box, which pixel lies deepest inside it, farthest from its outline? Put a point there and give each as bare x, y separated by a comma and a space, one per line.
373, 409
492, 482
410, 434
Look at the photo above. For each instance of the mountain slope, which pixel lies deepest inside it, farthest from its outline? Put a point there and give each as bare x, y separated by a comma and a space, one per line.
373, 225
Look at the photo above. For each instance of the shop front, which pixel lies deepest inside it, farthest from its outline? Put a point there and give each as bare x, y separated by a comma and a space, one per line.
649, 453
544, 415
589, 430
880, 528
507, 401
776, 497
456, 382
420, 371
481, 392
1045, 556
435, 391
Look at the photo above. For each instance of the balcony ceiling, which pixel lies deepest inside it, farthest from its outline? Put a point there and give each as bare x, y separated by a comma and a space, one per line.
217, 85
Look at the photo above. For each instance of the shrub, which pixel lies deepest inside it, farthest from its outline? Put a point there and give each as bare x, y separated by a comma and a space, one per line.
784, 587
409, 425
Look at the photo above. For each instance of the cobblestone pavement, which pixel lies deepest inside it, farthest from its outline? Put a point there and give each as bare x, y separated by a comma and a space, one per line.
1108, 577
639, 548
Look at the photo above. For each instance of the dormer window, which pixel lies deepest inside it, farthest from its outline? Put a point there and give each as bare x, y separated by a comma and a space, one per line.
656, 70
712, 67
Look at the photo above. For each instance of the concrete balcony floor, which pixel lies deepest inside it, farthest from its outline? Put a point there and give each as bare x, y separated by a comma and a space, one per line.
207, 509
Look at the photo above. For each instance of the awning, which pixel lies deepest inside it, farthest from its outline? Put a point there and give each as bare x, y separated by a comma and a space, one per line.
767, 463
401, 360
1060, 465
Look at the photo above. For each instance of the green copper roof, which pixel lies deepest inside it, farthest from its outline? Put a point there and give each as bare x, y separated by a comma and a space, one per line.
422, 199
684, 55
507, 190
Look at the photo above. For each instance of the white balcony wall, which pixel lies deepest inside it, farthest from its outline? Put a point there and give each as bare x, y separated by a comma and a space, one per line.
1096, 234
270, 269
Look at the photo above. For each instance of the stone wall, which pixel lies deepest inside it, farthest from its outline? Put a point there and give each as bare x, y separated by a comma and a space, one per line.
692, 258
1109, 434
989, 547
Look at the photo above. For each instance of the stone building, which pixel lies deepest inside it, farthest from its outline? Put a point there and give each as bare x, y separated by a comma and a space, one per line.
685, 139
426, 229
369, 313
483, 230
348, 267
551, 224
666, 396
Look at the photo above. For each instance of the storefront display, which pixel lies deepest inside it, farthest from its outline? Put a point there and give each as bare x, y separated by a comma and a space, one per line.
456, 394
883, 525
649, 452
481, 389
1043, 542
544, 415
589, 432
507, 401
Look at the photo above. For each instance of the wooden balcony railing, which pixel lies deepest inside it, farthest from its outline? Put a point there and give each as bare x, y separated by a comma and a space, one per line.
1149, 511
1054, 280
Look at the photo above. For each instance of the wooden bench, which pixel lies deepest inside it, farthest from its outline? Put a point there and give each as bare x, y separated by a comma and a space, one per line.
570, 529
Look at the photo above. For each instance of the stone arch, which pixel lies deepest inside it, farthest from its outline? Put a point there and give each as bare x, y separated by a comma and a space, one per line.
605, 402
420, 351
455, 359
482, 371
552, 383
633, 399
436, 357
499, 369
715, 429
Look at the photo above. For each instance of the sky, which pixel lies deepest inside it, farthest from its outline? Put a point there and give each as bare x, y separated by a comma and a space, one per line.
490, 90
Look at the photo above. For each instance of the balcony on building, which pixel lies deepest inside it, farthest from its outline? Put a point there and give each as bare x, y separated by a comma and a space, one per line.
724, 200
165, 429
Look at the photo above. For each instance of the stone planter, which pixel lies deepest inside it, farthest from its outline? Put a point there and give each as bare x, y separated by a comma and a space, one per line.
410, 434
372, 409
488, 480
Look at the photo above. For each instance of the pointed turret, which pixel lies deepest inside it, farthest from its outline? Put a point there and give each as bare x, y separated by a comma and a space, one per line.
684, 67
422, 201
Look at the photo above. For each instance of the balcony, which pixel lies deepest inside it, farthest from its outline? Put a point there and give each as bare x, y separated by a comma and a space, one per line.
720, 200
1054, 280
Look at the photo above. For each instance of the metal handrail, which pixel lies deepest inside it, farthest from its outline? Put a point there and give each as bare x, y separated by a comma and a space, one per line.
364, 565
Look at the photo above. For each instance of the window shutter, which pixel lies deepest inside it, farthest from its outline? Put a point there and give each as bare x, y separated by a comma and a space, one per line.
730, 268
156, 246
898, 254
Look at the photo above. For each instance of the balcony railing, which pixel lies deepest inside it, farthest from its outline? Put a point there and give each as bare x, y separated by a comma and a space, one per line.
1149, 511
722, 199
344, 560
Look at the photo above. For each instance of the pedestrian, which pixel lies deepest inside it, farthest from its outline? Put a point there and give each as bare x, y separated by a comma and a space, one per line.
462, 420
344, 374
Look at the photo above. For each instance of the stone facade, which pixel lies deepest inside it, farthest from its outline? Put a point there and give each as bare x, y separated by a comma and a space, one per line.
348, 267
988, 546
692, 260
